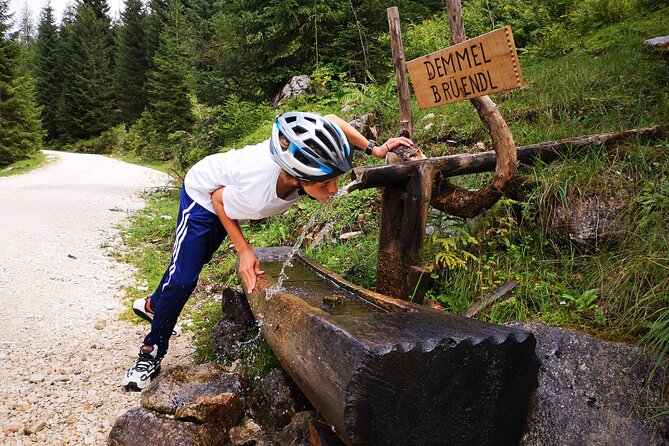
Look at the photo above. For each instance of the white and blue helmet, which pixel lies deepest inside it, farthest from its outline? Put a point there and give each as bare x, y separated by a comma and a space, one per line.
314, 148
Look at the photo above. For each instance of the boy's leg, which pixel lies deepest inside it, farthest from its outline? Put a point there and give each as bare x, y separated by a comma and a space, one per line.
199, 233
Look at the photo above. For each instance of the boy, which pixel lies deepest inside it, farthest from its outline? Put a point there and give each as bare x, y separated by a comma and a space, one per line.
305, 154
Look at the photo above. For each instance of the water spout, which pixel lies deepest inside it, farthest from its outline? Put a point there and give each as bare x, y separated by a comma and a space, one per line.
350, 187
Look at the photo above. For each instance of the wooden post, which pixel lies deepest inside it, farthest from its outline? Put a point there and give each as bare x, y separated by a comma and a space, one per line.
389, 280
401, 235
399, 63
412, 232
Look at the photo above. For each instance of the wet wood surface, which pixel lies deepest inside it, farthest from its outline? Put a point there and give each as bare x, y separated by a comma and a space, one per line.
406, 375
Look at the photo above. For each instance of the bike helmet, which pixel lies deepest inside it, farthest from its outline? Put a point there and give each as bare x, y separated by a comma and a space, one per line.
309, 146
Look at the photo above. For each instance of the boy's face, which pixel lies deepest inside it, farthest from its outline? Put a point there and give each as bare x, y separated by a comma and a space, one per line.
322, 190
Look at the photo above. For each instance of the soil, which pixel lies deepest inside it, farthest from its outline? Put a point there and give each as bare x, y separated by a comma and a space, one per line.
63, 349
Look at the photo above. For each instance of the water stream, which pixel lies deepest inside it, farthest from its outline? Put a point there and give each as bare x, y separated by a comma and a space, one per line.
298, 243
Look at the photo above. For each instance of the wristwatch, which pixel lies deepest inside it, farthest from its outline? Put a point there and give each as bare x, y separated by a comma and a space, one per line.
370, 146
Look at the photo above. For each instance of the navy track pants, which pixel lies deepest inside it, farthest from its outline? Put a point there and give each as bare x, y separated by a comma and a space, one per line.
199, 233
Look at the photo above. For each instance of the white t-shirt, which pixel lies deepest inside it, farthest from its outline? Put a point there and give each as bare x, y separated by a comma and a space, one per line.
249, 176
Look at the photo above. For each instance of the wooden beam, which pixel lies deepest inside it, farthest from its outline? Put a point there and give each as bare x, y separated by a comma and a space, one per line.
454, 165
387, 372
399, 64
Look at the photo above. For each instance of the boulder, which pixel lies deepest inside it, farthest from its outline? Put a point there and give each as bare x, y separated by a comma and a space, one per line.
591, 221
142, 427
236, 307
659, 45
247, 434
296, 86
227, 339
275, 401
229, 332
593, 392
184, 386
225, 409
366, 124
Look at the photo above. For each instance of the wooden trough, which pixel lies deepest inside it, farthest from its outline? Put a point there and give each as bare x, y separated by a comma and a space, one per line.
383, 371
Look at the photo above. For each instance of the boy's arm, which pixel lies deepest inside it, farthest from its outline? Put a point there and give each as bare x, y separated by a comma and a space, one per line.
358, 139
249, 266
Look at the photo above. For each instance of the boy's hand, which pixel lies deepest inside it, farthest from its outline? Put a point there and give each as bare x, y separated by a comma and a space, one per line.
249, 267
390, 145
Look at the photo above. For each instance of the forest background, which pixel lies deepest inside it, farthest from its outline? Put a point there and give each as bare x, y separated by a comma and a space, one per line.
175, 80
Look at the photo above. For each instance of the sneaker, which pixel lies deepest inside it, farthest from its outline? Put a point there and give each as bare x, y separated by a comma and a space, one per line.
145, 368
142, 308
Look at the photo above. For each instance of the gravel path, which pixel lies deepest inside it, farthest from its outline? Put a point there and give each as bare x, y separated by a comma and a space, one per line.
63, 350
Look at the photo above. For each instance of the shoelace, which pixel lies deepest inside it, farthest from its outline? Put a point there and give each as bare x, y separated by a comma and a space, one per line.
143, 363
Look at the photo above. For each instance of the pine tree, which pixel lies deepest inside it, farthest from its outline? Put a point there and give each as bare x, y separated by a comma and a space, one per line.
131, 63
156, 19
47, 72
87, 91
26, 41
169, 107
20, 132
207, 81
64, 50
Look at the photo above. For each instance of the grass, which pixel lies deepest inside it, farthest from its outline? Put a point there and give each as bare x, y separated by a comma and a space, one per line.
131, 157
24, 166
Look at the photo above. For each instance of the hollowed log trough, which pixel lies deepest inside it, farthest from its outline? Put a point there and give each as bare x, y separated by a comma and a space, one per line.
384, 371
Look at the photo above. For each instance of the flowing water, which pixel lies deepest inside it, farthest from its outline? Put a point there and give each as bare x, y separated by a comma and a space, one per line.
296, 247
321, 292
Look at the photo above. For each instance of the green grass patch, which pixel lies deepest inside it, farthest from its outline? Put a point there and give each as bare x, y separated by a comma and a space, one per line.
35, 161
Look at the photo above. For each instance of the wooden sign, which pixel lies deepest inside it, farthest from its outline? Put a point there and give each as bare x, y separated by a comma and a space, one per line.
477, 67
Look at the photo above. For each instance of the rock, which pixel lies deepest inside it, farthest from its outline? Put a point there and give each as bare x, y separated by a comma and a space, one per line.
226, 338
366, 124
35, 427
296, 86
275, 401
590, 222
248, 434
37, 378
182, 385
11, 428
142, 427
407, 153
236, 307
659, 45
296, 433
100, 325
226, 409
350, 235
321, 235
322, 434
594, 392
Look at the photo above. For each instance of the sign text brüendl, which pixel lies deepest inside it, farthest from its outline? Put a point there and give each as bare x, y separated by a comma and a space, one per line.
480, 66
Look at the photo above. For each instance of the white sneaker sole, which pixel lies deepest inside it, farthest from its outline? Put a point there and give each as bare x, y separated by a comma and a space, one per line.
138, 306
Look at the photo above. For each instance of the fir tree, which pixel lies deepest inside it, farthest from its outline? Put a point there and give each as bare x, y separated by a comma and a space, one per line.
20, 132
208, 85
131, 63
169, 108
87, 92
65, 108
155, 22
26, 40
47, 72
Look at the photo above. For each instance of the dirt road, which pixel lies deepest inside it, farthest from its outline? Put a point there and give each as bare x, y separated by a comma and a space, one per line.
63, 350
